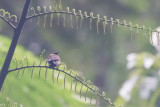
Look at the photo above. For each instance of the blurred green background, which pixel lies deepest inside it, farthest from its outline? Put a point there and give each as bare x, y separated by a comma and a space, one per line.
101, 58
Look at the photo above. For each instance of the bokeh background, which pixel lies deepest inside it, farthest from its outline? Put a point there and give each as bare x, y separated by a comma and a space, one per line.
101, 57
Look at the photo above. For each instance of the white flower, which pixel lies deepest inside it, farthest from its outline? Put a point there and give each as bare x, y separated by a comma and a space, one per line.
131, 58
149, 84
127, 87
155, 39
148, 62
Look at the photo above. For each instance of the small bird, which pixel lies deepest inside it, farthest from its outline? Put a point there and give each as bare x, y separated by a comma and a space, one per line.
54, 60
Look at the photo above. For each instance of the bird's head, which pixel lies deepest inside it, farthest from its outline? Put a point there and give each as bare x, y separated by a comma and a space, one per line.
56, 53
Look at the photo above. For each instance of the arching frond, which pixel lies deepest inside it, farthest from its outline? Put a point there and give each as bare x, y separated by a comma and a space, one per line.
84, 15
86, 88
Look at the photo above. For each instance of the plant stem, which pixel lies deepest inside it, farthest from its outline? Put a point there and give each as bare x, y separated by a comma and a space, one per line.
17, 32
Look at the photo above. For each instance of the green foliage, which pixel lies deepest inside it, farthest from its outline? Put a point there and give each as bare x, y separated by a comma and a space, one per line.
78, 84
30, 86
7, 102
33, 92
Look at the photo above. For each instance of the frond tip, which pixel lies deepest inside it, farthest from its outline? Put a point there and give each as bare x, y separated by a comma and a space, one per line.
8, 18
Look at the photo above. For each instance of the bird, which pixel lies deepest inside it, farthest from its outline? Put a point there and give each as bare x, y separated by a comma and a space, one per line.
54, 60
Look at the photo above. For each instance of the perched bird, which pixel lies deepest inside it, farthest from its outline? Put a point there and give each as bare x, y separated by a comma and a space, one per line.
54, 60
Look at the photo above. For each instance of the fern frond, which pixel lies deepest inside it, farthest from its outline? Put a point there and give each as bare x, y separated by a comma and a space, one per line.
75, 78
8, 102
105, 19
8, 18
